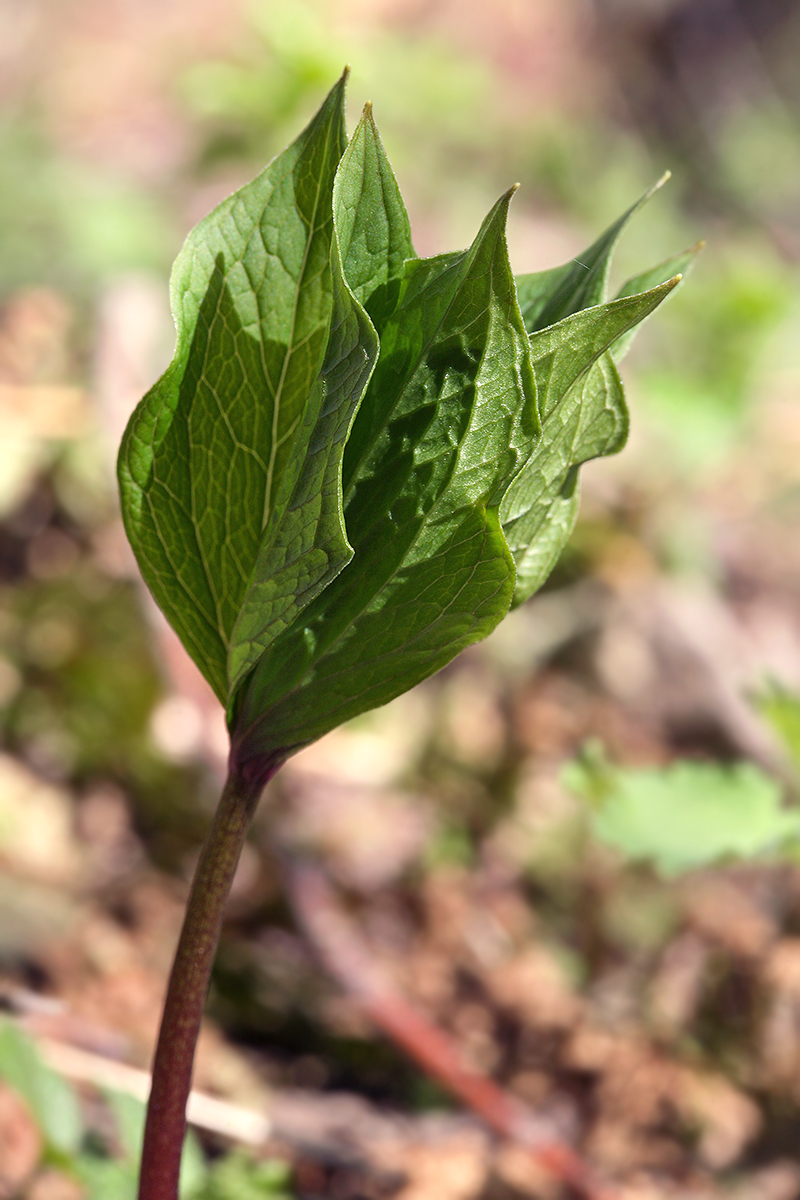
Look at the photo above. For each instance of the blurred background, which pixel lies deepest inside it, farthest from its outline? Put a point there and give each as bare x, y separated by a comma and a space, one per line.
575, 849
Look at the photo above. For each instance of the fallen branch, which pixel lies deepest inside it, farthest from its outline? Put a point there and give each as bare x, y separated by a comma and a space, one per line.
204, 1112
352, 965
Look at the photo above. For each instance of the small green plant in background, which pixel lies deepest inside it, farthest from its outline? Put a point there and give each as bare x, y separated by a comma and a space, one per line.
107, 1169
357, 461
686, 815
779, 706
693, 814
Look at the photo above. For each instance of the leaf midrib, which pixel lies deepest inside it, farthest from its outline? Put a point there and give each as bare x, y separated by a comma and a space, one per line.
312, 228
275, 444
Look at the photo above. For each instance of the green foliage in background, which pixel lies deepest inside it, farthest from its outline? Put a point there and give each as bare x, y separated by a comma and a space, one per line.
687, 815
110, 1172
51, 1102
780, 708
246, 103
78, 685
67, 222
358, 459
697, 391
695, 814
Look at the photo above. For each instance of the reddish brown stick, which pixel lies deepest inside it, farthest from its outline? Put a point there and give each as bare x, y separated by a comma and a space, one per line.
350, 963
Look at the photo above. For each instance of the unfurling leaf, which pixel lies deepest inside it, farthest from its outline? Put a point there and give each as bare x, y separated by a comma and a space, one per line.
358, 458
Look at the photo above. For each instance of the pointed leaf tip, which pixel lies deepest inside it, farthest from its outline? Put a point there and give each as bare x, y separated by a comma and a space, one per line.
337, 92
655, 187
502, 204
651, 191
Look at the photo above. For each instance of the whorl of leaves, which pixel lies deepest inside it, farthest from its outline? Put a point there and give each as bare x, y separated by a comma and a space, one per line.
359, 459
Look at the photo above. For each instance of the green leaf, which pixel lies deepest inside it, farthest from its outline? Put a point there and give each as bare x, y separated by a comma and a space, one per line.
302, 553
448, 419
52, 1102
238, 1177
548, 296
209, 454
305, 545
357, 455
561, 353
107, 1179
688, 815
542, 505
129, 1115
677, 265
590, 418
371, 222
780, 707
582, 405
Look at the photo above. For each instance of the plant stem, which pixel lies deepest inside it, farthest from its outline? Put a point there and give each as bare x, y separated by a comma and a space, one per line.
165, 1127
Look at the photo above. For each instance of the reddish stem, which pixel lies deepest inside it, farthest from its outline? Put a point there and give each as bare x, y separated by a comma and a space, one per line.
165, 1127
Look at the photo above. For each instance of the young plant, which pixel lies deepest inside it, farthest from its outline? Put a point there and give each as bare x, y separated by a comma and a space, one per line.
687, 815
106, 1165
356, 462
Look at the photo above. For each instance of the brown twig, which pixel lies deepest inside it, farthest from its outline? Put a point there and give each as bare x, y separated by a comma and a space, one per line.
349, 961
203, 1111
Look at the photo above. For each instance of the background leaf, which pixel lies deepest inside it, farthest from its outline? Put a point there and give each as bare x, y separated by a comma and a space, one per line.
688, 815
52, 1102
237, 1177
780, 707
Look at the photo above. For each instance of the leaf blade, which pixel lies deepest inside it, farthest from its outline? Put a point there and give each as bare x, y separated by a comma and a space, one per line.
677, 264
546, 297
307, 546
583, 411
562, 352
432, 571
372, 223
206, 450
590, 422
